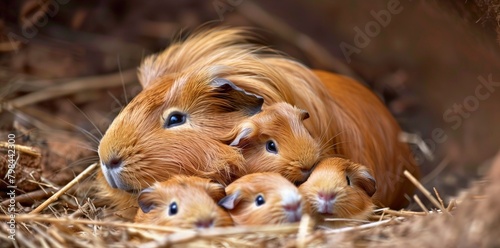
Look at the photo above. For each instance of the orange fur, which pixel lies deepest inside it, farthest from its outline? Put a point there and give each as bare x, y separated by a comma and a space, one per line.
275, 190
149, 159
348, 119
281, 123
369, 136
329, 178
194, 198
123, 204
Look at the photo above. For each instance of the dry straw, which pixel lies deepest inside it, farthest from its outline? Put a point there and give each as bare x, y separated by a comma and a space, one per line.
63, 226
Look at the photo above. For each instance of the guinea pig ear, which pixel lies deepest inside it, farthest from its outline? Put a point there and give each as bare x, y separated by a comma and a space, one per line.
304, 115
230, 201
145, 199
242, 132
238, 98
361, 176
215, 191
151, 68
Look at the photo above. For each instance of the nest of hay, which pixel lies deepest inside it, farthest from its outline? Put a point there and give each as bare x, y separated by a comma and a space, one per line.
69, 218
54, 205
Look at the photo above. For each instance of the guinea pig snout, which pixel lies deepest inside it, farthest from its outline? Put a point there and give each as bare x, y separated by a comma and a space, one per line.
205, 223
326, 196
305, 172
111, 169
293, 211
326, 201
292, 207
113, 162
307, 163
292, 204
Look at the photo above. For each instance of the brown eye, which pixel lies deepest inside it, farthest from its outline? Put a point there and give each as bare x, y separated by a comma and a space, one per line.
348, 180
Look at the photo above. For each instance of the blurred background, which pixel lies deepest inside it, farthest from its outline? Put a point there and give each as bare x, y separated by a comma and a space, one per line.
67, 67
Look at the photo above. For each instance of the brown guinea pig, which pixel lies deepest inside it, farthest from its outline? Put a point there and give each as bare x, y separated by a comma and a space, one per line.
209, 83
339, 188
134, 161
185, 202
263, 198
347, 118
276, 140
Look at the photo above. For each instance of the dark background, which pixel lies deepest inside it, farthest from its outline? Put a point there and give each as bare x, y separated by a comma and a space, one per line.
427, 59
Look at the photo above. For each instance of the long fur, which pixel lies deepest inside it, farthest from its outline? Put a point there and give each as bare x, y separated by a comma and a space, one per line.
347, 118
344, 114
156, 156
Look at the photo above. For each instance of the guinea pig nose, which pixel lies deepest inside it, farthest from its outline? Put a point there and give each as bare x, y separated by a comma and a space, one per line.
326, 196
114, 162
204, 223
305, 171
292, 207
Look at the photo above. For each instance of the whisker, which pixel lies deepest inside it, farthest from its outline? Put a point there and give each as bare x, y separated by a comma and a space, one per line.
90, 135
86, 117
116, 99
335, 136
85, 191
76, 163
121, 76
86, 133
78, 143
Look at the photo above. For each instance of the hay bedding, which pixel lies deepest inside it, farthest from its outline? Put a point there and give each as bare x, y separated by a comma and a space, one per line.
72, 217
55, 209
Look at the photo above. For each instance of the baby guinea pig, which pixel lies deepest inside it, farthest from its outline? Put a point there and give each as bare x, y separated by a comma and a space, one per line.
339, 188
263, 198
183, 201
276, 140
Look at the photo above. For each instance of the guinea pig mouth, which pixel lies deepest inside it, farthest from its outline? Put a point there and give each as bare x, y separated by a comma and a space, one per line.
294, 216
113, 178
298, 183
304, 178
326, 207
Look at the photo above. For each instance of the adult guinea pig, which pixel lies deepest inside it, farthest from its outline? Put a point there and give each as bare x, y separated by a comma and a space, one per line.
339, 188
263, 198
276, 140
214, 80
185, 202
136, 160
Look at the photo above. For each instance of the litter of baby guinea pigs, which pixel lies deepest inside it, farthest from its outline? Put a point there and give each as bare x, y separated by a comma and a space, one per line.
337, 188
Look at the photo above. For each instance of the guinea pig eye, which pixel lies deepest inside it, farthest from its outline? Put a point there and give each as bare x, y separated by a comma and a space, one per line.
348, 180
271, 147
259, 200
175, 119
172, 209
